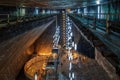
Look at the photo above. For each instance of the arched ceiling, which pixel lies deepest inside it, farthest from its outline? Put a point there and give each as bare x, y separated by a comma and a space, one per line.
51, 3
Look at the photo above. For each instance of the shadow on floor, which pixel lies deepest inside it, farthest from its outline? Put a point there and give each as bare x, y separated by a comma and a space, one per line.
85, 48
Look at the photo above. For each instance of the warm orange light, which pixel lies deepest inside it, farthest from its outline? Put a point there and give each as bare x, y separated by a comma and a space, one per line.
44, 66
54, 55
44, 54
75, 55
30, 50
36, 64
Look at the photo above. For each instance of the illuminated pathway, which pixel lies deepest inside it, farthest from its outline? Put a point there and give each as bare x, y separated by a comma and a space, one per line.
74, 65
82, 68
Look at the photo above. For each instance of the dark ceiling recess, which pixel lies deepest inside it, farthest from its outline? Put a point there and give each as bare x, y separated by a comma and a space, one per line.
52, 3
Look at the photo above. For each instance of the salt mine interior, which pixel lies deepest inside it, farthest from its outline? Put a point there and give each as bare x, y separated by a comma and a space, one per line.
59, 39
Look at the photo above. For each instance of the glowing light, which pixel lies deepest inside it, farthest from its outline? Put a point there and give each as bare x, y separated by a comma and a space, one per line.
72, 44
36, 11
70, 66
71, 34
44, 54
43, 11
69, 38
70, 57
73, 75
68, 23
75, 47
85, 10
63, 11
56, 37
97, 2
22, 11
36, 76
69, 75
75, 55
71, 78
78, 11
44, 66
55, 56
98, 12
68, 19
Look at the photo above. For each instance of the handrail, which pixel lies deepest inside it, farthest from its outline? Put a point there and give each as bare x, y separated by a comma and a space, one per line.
114, 48
8, 17
4, 14
106, 21
14, 19
102, 13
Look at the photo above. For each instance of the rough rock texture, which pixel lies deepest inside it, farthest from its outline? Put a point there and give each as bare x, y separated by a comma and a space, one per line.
108, 67
13, 52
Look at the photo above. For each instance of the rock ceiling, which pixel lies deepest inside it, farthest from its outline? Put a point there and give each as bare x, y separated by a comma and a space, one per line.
51, 3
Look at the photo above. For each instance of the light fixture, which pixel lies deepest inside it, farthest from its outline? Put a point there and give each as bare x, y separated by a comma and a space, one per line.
98, 2
36, 78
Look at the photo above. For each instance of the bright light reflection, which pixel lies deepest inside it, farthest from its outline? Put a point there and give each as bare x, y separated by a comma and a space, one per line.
75, 46
70, 66
36, 11
69, 38
71, 78
69, 75
36, 76
98, 11
98, 2
72, 44
68, 23
70, 57
73, 75
71, 34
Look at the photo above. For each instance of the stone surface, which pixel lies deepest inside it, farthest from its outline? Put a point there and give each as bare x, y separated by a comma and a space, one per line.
84, 68
107, 66
12, 52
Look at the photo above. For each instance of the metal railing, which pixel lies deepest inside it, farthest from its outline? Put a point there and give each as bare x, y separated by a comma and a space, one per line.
108, 22
4, 17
